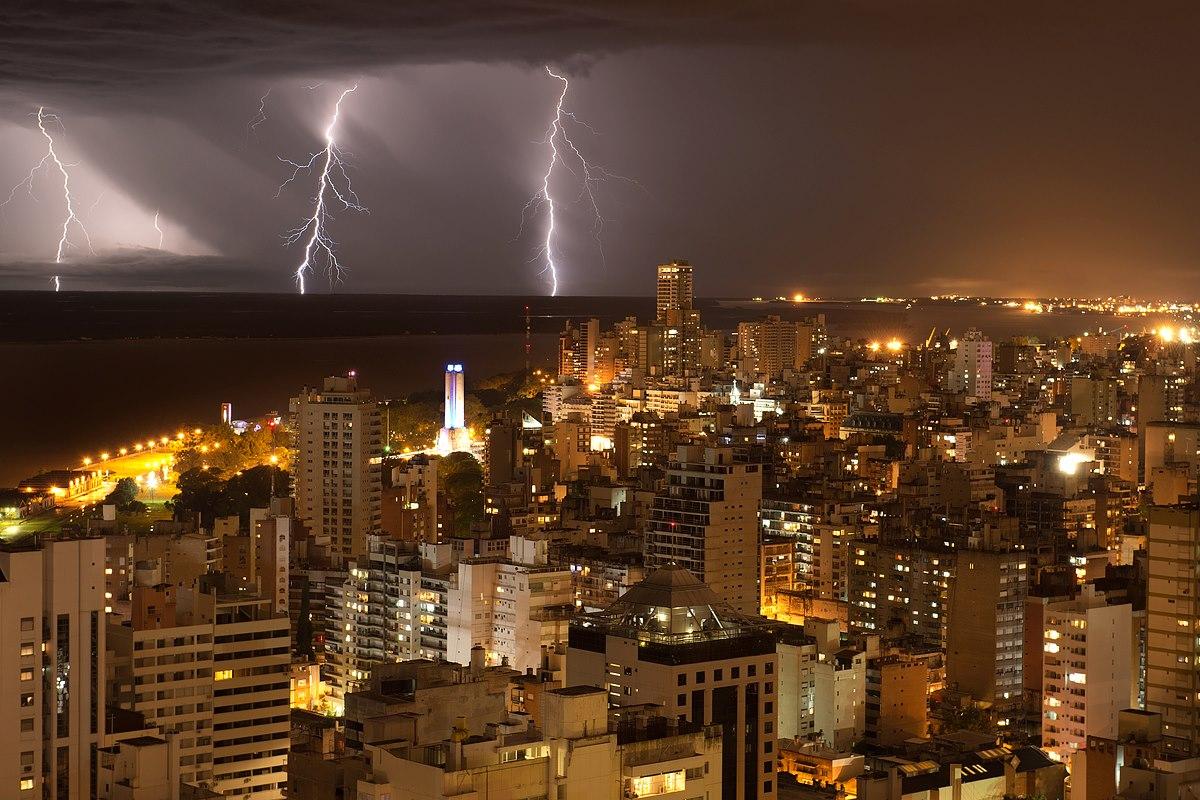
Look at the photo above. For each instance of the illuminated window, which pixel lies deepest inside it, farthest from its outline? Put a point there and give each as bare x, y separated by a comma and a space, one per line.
26, 784
662, 783
222, 675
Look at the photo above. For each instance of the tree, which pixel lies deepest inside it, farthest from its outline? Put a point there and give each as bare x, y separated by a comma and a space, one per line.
210, 494
124, 495
461, 478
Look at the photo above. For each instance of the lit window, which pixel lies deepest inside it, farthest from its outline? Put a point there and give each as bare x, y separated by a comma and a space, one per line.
222, 675
26, 784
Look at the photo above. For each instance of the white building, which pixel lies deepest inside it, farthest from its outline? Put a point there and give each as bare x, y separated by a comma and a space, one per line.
52, 639
509, 609
972, 368
391, 607
213, 668
1087, 671
822, 687
337, 478
575, 753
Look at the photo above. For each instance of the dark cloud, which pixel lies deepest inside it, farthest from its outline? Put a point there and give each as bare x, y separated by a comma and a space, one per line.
109, 46
840, 148
132, 269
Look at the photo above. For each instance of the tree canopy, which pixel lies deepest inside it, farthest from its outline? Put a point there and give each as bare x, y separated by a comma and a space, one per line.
209, 493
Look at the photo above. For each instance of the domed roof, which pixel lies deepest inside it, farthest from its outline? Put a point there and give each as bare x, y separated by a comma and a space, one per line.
672, 603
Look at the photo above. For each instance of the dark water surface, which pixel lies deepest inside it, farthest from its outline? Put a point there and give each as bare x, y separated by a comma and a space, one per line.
133, 377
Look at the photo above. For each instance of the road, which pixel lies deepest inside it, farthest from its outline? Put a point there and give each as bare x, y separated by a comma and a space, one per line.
150, 467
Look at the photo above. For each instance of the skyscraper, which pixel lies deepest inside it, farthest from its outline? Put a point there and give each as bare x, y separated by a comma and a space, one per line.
1173, 620
707, 521
337, 479
674, 289
52, 618
971, 371
211, 663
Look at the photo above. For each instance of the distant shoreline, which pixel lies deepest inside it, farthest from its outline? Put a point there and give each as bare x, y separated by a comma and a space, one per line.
30, 317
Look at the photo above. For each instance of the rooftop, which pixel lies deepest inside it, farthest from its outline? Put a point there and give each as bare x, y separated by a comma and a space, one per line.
673, 606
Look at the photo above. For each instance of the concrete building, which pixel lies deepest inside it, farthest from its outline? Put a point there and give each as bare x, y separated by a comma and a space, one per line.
820, 533
971, 371
52, 642
822, 686
389, 610
901, 589
672, 641
510, 609
772, 345
984, 641
212, 666
139, 768
339, 444
1173, 620
706, 520
574, 754
1093, 400
897, 703
674, 289
1087, 677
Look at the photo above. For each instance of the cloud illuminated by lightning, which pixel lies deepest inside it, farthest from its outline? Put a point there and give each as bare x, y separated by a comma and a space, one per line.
562, 150
317, 241
51, 158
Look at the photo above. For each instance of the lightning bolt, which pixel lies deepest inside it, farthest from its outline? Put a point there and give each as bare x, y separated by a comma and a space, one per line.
160, 231
260, 116
317, 241
560, 143
51, 158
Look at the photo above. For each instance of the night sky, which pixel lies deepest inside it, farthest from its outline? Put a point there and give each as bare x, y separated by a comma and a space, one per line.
839, 149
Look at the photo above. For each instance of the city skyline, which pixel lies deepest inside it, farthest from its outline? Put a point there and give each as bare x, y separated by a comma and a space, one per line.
598, 401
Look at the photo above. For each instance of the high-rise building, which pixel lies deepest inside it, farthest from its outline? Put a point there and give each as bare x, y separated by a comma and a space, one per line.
1093, 400
971, 371
52, 657
706, 519
771, 345
337, 478
1087, 676
1173, 620
674, 289
211, 664
672, 641
985, 637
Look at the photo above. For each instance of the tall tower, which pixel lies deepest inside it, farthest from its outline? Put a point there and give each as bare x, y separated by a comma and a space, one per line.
339, 444
1173, 621
674, 289
454, 436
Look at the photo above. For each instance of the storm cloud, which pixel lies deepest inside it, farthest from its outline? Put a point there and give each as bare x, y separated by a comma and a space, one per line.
836, 148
